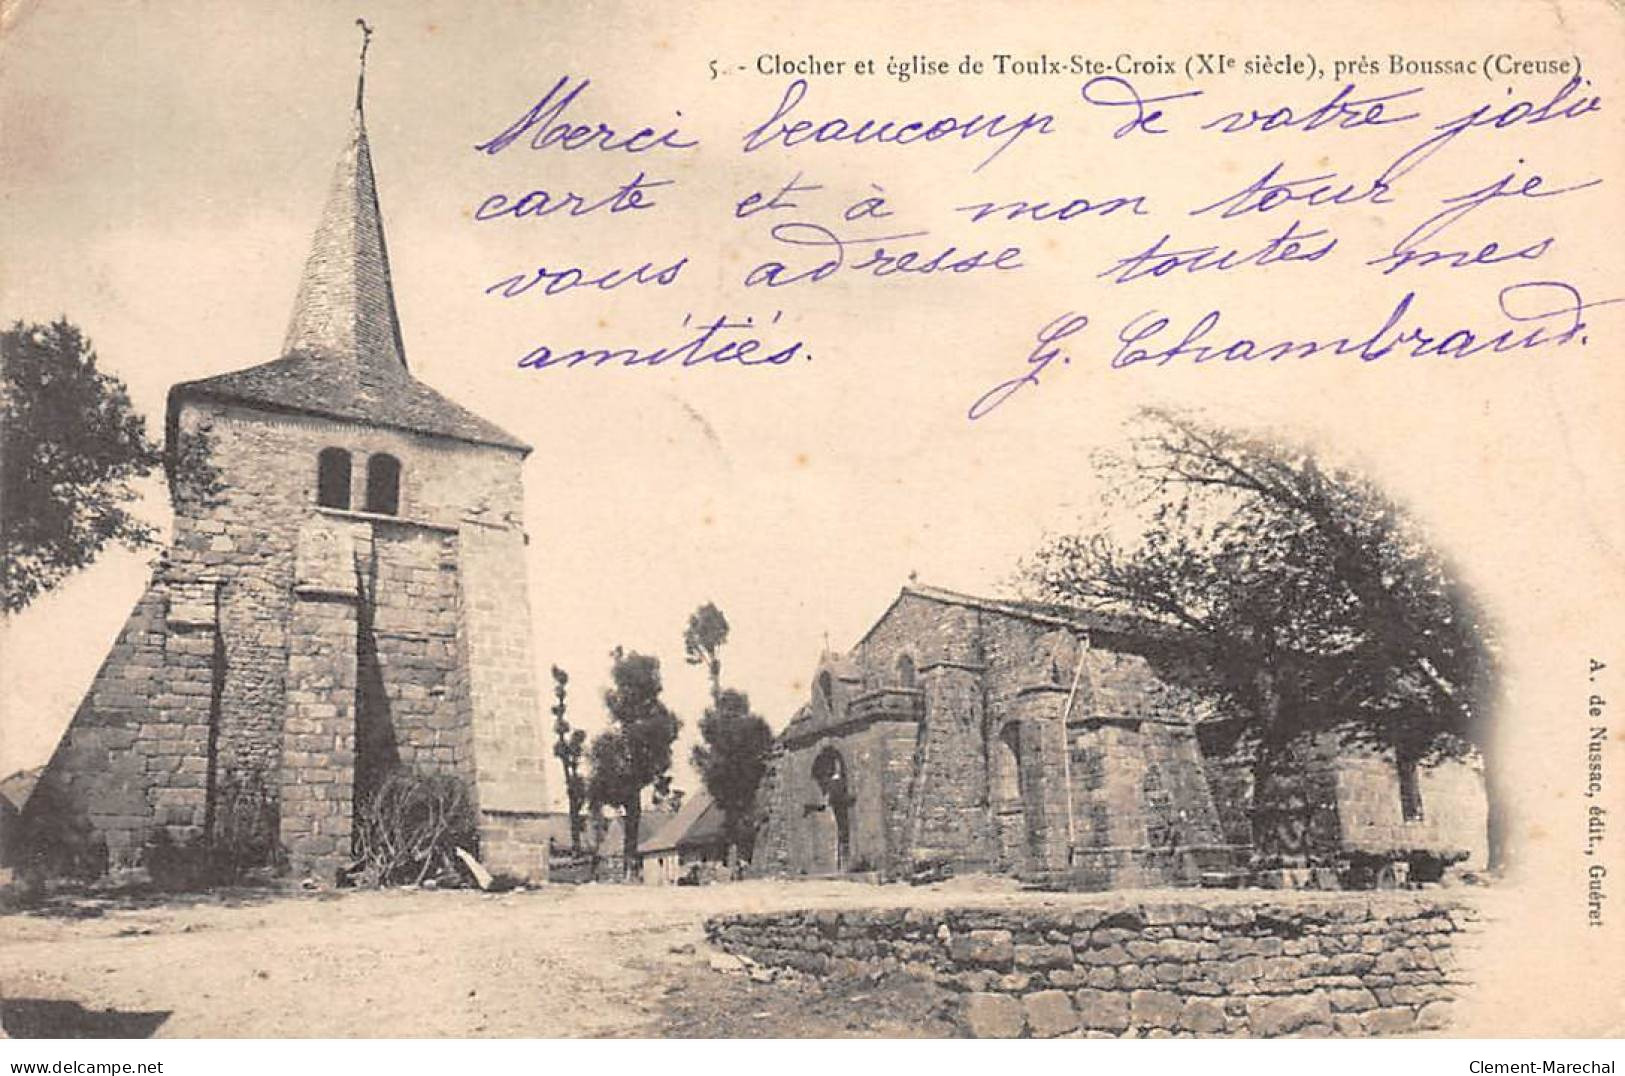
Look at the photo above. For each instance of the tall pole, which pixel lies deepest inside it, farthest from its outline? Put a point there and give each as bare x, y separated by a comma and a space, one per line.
1066, 748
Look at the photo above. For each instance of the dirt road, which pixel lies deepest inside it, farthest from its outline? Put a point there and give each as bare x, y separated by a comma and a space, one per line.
559, 961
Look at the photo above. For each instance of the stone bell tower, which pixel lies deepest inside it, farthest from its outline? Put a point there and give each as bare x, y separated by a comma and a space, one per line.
347, 597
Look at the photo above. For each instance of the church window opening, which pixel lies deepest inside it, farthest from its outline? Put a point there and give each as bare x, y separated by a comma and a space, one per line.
905, 671
333, 478
1410, 791
384, 484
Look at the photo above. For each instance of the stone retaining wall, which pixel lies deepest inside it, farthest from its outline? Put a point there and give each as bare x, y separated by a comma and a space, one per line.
1352, 965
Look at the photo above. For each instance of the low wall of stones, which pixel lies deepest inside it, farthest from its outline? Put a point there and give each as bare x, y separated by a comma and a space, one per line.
1349, 965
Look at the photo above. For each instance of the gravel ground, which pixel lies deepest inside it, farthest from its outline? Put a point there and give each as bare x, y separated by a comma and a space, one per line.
590, 960
593, 960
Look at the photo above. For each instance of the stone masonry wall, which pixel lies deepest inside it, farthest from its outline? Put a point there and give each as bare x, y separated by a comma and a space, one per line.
1331, 798
879, 763
948, 815
1238, 965
413, 709
317, 803
134, 758
226, 648
771, 855
510, 747
1119, 798
1454, 807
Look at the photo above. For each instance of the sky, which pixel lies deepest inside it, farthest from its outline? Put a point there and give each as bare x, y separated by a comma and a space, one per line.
166, 171
166, 164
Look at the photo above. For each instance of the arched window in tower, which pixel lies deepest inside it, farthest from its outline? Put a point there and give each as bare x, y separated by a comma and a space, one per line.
906, 676
384, 484
333, 478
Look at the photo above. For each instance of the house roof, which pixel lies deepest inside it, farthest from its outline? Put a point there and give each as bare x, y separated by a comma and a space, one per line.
699, 822
342, 357
650, 823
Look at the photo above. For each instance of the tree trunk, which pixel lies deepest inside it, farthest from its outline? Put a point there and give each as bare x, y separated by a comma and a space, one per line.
578, 821
633, 812
1267, 810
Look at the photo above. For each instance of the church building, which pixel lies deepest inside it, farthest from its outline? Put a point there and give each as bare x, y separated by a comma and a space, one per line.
345, 593
1066, 747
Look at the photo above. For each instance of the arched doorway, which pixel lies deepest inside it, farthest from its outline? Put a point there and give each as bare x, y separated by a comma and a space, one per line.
829, 771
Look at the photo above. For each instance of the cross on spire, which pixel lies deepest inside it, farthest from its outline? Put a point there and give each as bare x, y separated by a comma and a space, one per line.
361, 75
345, 308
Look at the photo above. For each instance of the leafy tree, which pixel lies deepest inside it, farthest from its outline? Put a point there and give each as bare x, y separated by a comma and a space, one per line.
666, 795
636, 750
194, 481
702, 644
72, 448
731, 758
568, 748
1317, 598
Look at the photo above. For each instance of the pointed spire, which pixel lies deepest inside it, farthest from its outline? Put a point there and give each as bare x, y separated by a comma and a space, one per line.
345, 309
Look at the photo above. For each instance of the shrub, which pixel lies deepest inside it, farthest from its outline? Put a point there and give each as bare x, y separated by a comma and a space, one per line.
409, 827
244, 841
246, 827
1429, 865
56, 840
1396, 867
180, 866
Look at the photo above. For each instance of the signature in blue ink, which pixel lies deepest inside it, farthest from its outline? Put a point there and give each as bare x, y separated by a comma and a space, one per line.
1545, 313
1046, 211
716, 342
1415, 247
547, 127
628, 197
1159, 259
885, 256
566, 278
1001, 129
1038, 361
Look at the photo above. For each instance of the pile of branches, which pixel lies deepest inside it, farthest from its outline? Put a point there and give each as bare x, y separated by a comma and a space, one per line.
410, 827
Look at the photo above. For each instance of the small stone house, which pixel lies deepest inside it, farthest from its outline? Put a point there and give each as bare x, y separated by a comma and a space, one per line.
345, 593
692, 839
1038, 740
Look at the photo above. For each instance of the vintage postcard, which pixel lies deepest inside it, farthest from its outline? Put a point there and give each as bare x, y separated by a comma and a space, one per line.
1091, 520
